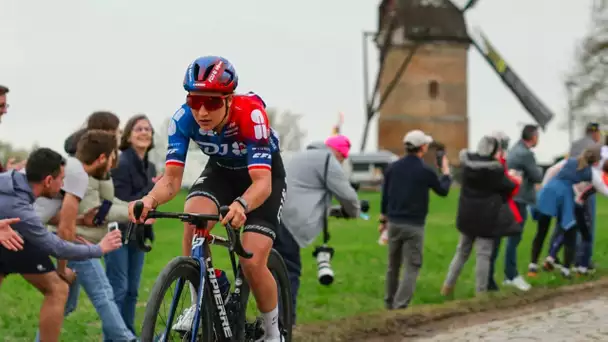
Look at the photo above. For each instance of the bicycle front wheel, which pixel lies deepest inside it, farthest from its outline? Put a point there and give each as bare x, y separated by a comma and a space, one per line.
180, 272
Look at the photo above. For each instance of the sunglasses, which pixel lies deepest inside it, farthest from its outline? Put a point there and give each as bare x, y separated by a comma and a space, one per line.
210, 103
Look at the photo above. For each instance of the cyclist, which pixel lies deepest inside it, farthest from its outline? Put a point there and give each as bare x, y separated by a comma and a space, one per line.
244, 171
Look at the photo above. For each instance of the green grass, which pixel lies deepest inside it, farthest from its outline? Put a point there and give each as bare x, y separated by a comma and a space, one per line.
359, 264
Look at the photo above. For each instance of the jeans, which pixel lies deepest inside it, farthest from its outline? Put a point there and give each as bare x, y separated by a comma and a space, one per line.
511, 250
584, 250
91, 276
123, 268
289, 249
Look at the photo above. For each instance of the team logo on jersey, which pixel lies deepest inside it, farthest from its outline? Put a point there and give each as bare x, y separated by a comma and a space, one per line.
232, 130
259, 128
172, 127
239, 148
204, 132
178, 115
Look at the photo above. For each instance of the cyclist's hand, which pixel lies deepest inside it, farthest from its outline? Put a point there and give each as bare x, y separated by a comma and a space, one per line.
236, 215
148, 205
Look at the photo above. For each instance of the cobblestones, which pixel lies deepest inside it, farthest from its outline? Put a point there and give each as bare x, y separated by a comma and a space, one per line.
583, 321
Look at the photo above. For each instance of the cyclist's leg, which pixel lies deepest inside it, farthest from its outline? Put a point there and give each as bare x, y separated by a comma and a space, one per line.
258, 235
206, 195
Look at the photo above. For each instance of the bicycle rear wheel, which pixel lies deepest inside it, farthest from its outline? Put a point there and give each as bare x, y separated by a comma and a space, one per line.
188, 270
277, 267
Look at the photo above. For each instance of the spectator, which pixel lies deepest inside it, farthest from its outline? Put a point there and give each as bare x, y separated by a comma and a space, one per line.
593, 136
105, 121
520, 158
10, 164
311, 175
18, 192
133, 178
483, 211
404, 206
94, 156
557, 199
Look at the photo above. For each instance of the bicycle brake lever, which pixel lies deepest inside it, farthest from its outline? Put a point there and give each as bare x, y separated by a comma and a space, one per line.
138, 209
234, 237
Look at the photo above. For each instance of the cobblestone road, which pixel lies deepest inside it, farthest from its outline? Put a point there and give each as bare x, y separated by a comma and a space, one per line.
584, 321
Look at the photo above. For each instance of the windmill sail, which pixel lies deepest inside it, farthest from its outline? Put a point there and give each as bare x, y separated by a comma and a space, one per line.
541, 114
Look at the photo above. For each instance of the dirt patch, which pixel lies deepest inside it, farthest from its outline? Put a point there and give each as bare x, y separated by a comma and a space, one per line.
428, 320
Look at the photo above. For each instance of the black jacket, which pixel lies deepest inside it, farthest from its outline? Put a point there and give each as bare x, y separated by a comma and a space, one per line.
133, 179
482, 207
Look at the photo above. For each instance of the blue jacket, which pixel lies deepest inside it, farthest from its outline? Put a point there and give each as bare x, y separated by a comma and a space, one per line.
16, 200
556, 198
405, 192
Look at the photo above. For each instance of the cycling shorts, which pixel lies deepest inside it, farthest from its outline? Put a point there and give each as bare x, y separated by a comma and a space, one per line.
223, 186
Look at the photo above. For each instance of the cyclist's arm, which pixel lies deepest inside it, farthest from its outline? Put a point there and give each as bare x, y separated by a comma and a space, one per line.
169, 185
260, 188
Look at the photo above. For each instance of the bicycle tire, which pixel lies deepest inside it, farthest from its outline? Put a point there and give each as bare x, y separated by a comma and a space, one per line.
179, 267
277, 267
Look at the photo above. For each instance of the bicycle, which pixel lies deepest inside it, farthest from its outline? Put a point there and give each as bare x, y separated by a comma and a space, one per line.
219, 321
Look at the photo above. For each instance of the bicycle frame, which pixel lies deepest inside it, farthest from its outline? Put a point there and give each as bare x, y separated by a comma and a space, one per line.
200, 252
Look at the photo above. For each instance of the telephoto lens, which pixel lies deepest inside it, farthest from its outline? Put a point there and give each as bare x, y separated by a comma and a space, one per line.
323, 254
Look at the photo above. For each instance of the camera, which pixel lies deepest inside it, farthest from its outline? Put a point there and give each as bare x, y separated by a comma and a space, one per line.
323, 254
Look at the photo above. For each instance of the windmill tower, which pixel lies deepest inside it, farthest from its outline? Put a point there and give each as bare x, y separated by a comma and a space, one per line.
423, 81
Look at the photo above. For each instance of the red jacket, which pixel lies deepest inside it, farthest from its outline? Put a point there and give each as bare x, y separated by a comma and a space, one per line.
510, 201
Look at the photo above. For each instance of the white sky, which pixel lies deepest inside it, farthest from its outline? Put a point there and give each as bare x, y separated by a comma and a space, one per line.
63, 59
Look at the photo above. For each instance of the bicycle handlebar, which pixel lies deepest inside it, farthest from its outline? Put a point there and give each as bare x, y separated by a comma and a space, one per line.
199, 220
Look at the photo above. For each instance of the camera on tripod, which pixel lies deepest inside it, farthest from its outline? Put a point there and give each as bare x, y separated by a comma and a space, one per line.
325, 253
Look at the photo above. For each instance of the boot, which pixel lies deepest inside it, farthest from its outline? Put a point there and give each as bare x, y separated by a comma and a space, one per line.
447, 291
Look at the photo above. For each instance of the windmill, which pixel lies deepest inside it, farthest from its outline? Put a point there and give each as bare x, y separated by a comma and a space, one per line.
429, 39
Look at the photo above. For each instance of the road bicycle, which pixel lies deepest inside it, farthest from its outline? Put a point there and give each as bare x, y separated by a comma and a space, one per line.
216, 318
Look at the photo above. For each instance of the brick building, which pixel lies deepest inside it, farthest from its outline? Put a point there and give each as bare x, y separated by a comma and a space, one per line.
431, 95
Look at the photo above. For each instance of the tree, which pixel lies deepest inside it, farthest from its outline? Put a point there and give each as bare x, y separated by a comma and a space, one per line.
287, 125
587, 84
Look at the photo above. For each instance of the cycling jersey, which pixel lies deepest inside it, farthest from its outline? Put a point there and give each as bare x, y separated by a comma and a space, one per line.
246, 140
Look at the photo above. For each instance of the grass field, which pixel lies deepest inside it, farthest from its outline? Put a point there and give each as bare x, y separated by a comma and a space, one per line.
359, 264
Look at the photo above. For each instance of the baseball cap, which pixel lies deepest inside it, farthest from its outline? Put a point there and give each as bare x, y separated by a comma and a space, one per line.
339, 143
592, 127
417, 138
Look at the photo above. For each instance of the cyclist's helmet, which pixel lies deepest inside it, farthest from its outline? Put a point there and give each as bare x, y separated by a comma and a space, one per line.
212, 74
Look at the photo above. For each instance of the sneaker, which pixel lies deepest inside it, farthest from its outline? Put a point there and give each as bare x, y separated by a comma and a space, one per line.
532, 270
184, 321
565, 272
518, 282
549, 264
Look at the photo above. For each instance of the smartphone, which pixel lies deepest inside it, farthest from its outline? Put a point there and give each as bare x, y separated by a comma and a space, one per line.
439, 154
103, 211
112, 226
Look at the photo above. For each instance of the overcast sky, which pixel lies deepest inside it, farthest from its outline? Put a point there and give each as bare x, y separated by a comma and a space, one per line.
64, 59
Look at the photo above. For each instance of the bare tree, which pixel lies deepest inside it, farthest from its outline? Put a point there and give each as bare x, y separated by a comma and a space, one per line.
287, 125
587, 85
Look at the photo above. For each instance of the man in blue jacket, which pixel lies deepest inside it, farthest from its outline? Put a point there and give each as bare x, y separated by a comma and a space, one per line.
17, 195
404, 206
